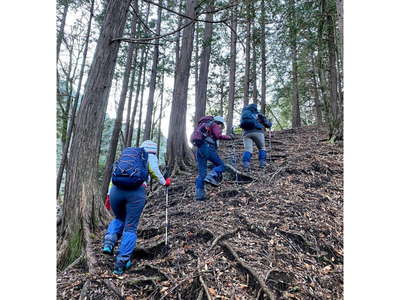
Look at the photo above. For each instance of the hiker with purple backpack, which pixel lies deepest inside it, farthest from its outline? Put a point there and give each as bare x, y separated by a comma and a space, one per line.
205, 137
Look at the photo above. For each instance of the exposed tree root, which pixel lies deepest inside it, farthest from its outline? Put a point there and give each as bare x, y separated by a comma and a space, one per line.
200, 296
205, 287
90, 256
249, 269
113, 288
222, 236
74, 263
84, 290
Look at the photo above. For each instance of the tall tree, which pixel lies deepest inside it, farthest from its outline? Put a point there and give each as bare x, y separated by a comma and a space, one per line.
263, 59
60, 33
336, 124
83, 209
178, 151
139, 129
296, 121
201, 92
153, 77
120, 112
317, 102
247, 62
232, 70
61, 168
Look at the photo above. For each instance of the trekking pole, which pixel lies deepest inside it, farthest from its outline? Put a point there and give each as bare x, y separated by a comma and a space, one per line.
166, 216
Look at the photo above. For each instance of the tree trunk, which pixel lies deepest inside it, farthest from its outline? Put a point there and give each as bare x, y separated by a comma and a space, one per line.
263, 60
296, 121
150, 102
160, 116
141, 100
317, 101
179, 154
201, 93
75, 106
135, 105
336, 124
131, 87
247, 62
120, 112
339, 11
60, 34
254, 67
83, 207
232, 71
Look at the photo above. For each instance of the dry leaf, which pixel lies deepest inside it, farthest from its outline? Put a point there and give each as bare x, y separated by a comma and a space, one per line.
212, 291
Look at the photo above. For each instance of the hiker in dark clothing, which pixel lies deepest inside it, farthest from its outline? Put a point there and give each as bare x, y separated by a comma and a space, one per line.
207, 151
254, 123
127, 205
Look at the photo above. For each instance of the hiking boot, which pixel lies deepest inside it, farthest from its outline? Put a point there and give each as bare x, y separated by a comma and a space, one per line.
120, 267
262, 157
107, 250
200, 195
212, 178
263, 163
246, 160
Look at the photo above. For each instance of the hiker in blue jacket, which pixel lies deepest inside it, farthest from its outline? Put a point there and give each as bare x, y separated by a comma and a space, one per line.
254, 123
207, 151
127, 205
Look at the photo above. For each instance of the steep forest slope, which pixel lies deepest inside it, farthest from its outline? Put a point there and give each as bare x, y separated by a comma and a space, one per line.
278, 236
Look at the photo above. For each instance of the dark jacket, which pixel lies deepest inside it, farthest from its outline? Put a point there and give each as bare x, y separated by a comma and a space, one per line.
262, 120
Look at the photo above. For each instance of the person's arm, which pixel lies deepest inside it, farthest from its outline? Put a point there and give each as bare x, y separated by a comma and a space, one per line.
265, 121
217, 133
154, 170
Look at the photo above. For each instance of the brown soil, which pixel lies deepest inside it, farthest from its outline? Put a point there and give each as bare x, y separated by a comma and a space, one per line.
278, 236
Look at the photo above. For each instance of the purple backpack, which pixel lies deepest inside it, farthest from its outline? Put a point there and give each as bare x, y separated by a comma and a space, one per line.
202, 130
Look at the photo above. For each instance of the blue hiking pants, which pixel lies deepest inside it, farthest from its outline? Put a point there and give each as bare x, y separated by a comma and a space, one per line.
204, 153
127, 206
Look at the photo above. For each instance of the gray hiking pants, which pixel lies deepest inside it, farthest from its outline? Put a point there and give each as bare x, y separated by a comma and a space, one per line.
256, 137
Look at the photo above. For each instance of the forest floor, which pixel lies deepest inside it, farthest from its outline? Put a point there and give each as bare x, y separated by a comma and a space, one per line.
278, 236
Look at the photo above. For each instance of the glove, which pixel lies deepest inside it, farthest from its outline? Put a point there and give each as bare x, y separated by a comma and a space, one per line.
167, 182
107, 202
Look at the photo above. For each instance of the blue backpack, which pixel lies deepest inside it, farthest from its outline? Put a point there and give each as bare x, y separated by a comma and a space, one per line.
249, 120
130, 170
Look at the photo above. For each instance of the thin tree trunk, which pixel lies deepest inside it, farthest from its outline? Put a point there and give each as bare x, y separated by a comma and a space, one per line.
120, 112
232, 71
263, 60
296, 121
132, 86
201, 94
160, 116
179, 154
83, 207
247, 62
254, 71
317, 101
138, 87
150, 101
60, 34
141, 101
75, 106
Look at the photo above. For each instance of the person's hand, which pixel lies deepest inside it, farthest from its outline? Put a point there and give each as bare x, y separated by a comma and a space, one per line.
167, 182
107, 202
